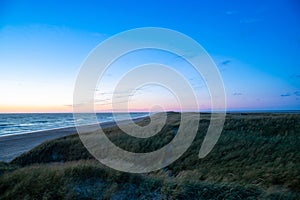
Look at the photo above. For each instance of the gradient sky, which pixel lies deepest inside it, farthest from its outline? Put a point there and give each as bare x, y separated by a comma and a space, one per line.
255, 44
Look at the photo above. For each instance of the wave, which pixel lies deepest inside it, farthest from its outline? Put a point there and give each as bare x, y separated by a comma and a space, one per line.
11, 124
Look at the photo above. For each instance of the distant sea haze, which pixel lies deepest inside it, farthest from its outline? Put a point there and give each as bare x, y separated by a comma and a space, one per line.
32, 122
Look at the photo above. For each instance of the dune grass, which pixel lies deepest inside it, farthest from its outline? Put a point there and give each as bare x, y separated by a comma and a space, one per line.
89, 180
257, 157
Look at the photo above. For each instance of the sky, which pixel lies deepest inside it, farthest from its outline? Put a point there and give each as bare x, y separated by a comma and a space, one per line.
255, 45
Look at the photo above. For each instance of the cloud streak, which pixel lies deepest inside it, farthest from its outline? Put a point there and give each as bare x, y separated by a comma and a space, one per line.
285, 95
225, 62
237, 94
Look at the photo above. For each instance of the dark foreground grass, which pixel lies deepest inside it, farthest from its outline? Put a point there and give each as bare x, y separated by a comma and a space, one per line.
90, 180
257, 157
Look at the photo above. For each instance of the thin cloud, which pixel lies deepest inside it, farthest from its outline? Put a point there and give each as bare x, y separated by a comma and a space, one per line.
124, 92
285, 95
103, 97
297, 93
288, 94
226, 62
295, 76
237, 94
111, 103
230, 12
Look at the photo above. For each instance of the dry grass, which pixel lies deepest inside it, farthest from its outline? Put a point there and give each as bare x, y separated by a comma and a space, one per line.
257, 157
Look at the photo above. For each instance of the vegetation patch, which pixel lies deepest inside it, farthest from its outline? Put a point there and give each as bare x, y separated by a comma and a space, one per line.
256, 157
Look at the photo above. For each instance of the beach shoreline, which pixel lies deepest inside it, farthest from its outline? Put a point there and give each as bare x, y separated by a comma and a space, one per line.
12, 146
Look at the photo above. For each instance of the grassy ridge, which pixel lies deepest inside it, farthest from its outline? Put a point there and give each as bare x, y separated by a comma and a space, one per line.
88, 179
257, 156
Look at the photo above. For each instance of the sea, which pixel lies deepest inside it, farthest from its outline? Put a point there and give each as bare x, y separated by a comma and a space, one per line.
11, 124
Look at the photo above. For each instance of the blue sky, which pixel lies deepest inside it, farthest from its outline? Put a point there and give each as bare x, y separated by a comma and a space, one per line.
255, 44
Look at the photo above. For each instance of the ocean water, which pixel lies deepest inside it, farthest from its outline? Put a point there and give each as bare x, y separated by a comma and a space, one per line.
32, 122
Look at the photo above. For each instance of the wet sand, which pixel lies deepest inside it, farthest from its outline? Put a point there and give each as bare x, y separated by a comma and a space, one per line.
12, 146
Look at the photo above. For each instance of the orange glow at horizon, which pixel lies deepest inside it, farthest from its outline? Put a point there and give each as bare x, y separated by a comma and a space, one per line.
67, 109
34, 109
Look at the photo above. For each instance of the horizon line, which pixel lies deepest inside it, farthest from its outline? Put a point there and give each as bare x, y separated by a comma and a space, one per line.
201, 111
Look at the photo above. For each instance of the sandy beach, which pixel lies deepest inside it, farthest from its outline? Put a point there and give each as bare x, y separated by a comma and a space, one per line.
12, 146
